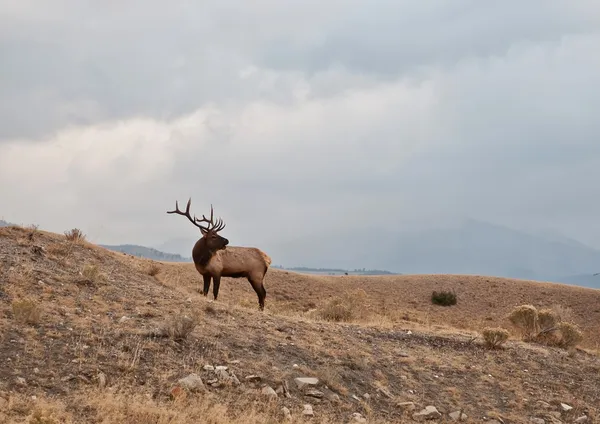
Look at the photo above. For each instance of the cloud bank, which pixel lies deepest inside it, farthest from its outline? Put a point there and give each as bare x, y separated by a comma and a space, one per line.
299, 119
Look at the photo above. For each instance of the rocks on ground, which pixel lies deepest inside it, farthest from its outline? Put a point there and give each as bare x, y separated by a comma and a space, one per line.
308, 410
429, 413
192, 382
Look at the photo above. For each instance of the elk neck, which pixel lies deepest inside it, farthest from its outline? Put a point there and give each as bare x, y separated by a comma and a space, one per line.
201, 254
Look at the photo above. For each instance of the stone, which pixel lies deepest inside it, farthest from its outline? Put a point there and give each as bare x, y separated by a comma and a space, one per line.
192, 382
334, 397
543, 404
406, 406
458, 416
581, 420
536, 420
314, 393
302, 382
222, 374
565, 407
21, 381
367, 396
101, 380
357, 417
268, 391
308, 410
209, 368
252, 378
221, 368
234, 380
429, 413
286, 413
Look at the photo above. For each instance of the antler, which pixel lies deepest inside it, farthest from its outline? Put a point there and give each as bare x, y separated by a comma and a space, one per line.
218, 226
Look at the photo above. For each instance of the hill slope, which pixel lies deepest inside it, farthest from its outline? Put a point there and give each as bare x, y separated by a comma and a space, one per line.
96, 352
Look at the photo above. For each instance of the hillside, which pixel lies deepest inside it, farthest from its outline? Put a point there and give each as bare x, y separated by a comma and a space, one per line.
87, 335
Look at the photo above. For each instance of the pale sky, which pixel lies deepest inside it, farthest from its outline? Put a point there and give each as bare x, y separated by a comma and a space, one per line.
299, 117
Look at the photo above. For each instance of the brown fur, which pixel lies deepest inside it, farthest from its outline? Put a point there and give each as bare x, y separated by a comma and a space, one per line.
213, 259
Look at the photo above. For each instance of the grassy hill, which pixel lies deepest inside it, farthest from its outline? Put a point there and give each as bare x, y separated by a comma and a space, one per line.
95, 336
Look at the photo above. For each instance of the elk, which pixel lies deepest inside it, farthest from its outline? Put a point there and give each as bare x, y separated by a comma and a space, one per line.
214, 258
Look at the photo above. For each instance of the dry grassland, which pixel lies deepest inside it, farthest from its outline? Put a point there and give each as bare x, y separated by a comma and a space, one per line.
93, 336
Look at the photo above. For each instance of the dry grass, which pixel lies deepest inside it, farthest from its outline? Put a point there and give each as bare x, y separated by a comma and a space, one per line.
494, 337
94, 356
153, 269
26, 311
75, 235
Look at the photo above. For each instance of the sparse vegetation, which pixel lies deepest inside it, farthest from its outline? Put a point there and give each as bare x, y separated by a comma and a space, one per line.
92, 273
106, 330
75, 235
179, 327
26, 311
153, 269
443, 298
351, 306
570, 335
547, 326
525, 319
494, 337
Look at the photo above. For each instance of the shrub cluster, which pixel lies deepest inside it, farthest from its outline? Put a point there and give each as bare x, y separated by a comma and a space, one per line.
551, 326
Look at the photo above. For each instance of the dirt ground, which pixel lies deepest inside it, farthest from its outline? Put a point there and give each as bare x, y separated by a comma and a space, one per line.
83, 339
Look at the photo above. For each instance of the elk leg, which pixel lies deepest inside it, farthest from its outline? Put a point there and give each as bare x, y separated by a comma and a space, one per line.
206, 283
260, 292
216, 284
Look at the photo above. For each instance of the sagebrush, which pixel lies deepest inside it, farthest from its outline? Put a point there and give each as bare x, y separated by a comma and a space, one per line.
443, 298
494, 337
548, 326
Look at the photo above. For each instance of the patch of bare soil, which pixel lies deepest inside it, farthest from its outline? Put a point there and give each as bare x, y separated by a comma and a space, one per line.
92, 336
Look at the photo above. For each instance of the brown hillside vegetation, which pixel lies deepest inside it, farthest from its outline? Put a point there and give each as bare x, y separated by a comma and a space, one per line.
93, 336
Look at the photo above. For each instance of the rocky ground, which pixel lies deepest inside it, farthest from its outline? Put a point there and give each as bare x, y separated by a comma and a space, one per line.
92, 336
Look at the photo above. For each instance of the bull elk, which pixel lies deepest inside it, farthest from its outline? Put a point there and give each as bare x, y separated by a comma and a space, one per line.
213, 258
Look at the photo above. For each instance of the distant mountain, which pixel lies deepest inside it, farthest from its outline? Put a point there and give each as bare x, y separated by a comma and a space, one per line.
469, 247
146, 252
4, 223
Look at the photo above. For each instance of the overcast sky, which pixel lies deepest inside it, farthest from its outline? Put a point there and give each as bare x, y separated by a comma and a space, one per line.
297, 117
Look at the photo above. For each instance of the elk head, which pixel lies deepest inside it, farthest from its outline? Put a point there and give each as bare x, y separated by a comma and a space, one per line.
210, 232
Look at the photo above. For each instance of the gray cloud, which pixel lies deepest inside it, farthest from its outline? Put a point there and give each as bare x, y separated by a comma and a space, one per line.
297, 118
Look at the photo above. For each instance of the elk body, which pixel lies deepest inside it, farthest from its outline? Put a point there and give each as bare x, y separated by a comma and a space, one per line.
214, 258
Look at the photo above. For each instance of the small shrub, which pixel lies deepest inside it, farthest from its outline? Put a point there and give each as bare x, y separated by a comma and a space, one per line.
336, 310
525, 318
350, 306
570, 335
443, 298
179, 327
547, 320
91, 273
26, 311
32, 232
75, 235
153, 270
494, 337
